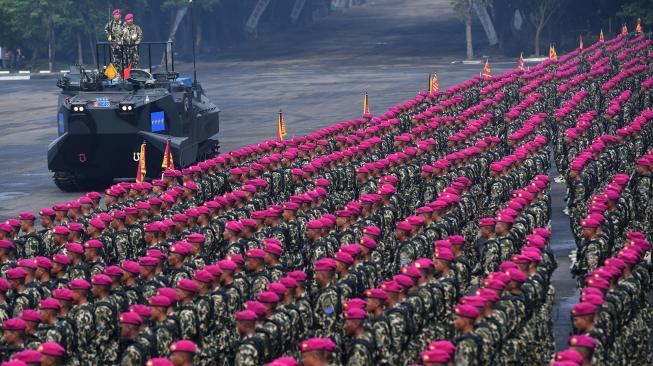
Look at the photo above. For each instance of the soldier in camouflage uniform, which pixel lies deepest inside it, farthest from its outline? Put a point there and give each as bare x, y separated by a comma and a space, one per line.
22, 296
177, 267
249, 350
113, 30
592, 250
120, 236
468, 344
106, 311
318, 351
82, 314
47, 225
7, 250
183, 352
12, 341
29, 244
130, 38
133, 349
93, 259
164, 329
186, 311
49, 330
327, 299
360, 345
258, 275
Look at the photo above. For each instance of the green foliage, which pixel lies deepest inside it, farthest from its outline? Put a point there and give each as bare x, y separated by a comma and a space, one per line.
638, 9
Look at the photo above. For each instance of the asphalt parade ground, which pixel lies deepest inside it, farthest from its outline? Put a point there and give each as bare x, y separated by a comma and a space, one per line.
317, 76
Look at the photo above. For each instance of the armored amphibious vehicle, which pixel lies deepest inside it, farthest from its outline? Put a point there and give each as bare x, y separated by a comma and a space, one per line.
102, 122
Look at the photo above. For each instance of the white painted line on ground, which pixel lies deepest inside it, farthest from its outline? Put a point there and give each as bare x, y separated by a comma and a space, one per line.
535, 59
44, 71
63, 71
472, 62
15, 77
4, 72
23, 72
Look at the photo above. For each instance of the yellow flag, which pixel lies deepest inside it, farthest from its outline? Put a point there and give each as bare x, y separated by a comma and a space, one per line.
434, 86
601, 37
638, 28
553, 56
281, 127
624, 29
282, 123
111, 72
366, 105
142, 171
520, 66
580, 42
487, 73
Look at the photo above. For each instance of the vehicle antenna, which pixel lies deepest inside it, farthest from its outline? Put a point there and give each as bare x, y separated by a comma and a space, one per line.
192, 27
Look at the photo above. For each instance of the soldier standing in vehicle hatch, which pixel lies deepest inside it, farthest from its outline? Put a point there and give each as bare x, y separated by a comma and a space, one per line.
131, 38
114, 29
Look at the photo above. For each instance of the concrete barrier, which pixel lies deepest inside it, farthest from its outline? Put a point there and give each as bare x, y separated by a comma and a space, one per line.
15, 77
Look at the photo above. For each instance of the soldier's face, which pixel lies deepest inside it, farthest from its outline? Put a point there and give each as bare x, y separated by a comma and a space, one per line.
26, 224
351, 325
582, 323
126, 330
58, 239
130, 21
49, 360
587, 232
11, 337
174, 259
460, 323
312, 359
116, 16
145, 271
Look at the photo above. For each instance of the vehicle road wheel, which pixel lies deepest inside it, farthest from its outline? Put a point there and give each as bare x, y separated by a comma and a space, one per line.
66, 182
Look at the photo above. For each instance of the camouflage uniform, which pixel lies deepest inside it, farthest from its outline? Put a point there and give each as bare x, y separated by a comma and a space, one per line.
85, 331
165, 333
30, 245
133, 352
106, 330
327, 306
131, 37
249, 351
113, 30
360, 351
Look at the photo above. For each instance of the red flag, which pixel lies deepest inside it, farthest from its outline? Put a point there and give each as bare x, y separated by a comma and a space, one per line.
167, 158
127, 72
434, 85
486, 70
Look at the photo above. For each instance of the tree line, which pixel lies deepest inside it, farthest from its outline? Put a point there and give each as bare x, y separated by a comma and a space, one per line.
67, 30
529, 26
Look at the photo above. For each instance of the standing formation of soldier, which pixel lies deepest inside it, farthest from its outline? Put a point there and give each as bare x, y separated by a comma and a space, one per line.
359, 244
